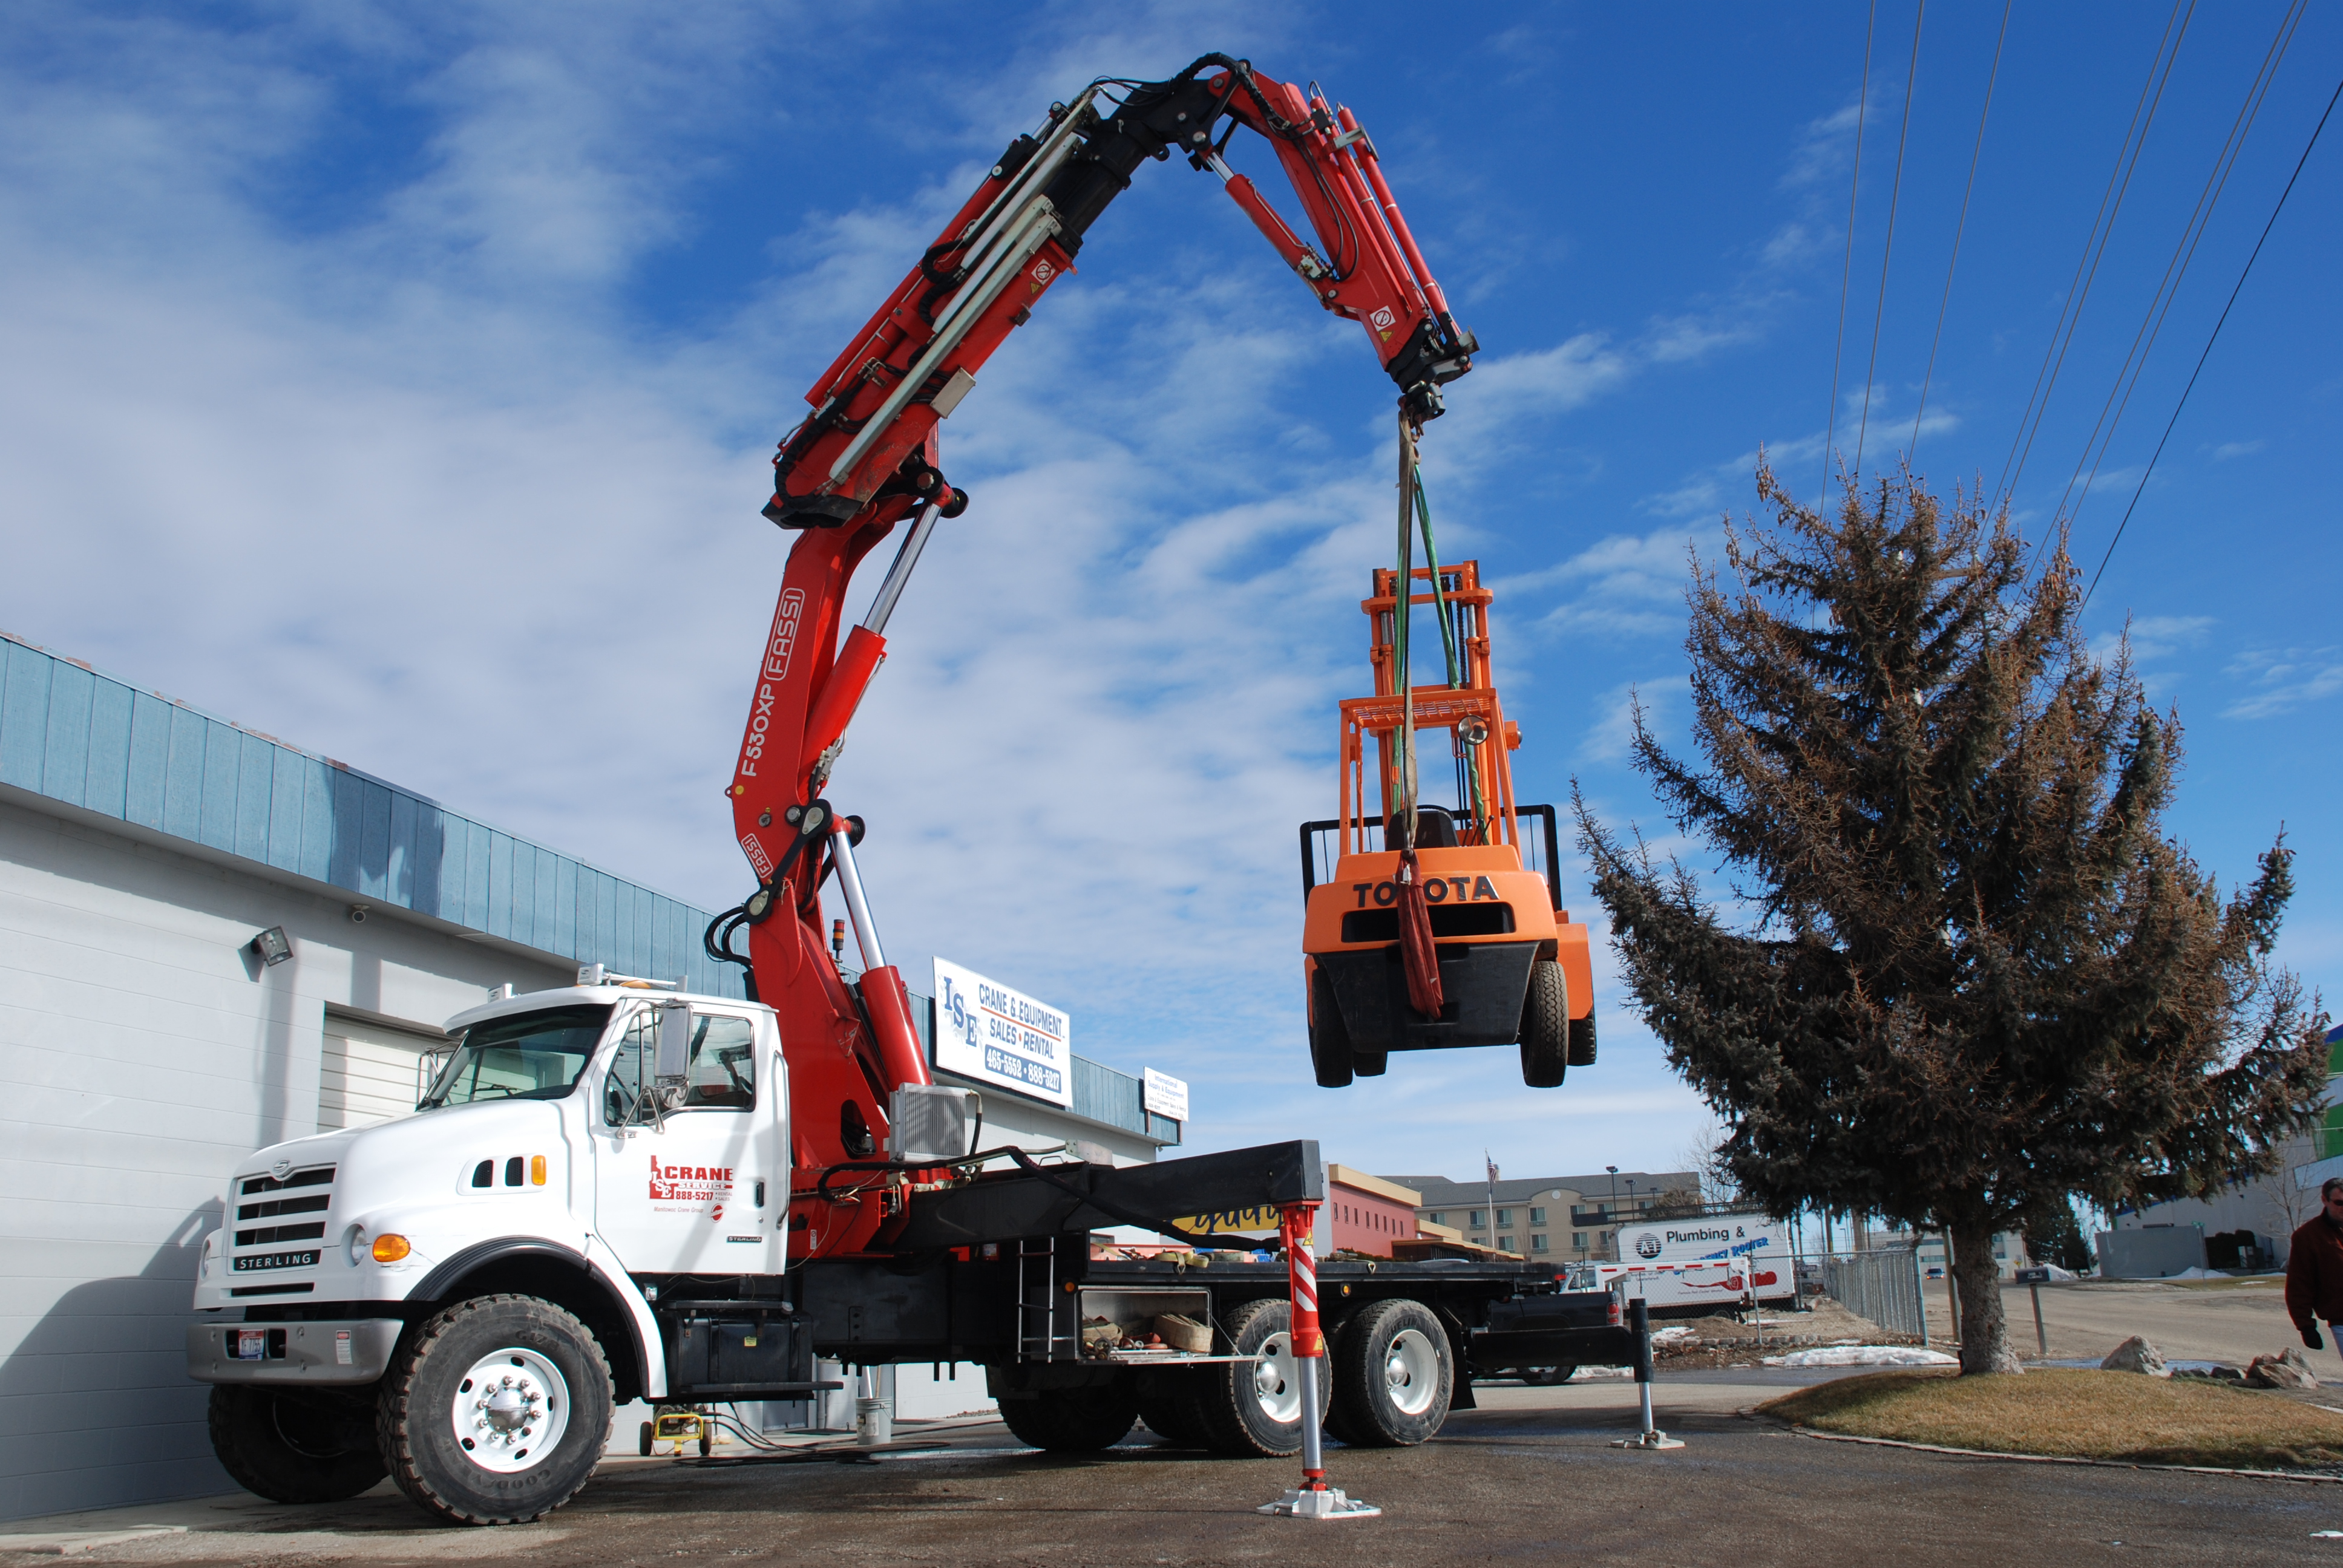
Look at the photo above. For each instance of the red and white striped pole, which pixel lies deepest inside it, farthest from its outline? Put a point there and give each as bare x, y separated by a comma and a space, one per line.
1313, 1498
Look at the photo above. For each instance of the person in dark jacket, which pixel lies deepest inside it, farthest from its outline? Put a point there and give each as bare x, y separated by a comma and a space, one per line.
2314, 1267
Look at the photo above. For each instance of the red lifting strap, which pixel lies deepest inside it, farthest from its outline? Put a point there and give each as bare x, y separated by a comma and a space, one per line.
1418, 960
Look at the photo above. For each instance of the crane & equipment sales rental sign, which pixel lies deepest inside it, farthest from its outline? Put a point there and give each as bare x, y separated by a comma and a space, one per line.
993, 1035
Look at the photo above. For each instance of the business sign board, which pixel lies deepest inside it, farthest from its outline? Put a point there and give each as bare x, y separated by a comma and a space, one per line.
1162, 1094
993, 1035
1694, 1240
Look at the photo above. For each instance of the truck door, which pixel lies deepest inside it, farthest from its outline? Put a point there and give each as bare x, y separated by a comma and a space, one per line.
704, 1187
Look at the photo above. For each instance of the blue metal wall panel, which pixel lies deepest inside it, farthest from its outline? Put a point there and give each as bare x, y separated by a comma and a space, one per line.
109, 748
565, 907
150, 760
317, 820
430, 848
223, 760
255, 777
66, 766
286, 779
398, 860
183, 781
24, 717
90, 740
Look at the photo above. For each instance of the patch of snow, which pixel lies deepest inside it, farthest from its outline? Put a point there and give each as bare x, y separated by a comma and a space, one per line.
1596, 1374
2198, 1274
1674, 1336
1864, 1356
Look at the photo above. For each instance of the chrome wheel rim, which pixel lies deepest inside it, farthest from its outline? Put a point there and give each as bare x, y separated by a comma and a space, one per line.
510, 1410
1275, 1380
1412, 1372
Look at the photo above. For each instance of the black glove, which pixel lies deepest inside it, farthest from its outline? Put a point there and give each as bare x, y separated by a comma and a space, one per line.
2310, 1337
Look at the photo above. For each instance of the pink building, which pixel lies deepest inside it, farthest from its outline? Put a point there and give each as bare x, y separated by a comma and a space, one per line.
1366, 1213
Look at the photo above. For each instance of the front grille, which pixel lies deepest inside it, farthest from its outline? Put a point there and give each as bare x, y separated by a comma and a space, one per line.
265, 1250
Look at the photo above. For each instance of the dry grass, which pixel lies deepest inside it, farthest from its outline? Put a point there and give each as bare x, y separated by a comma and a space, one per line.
2075, 1414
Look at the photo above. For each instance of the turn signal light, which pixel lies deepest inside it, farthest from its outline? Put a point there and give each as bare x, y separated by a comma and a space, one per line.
537, 1169
391, 1249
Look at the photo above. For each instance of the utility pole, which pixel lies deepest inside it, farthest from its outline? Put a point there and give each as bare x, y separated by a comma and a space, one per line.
1611, 1212
1490, 1165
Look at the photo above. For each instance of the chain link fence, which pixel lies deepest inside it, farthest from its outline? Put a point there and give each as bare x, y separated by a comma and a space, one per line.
1882, 1286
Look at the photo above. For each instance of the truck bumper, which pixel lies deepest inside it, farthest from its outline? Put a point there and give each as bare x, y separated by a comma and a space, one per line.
350, 1351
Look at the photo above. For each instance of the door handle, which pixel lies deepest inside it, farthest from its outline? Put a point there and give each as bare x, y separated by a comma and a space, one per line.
760, 1191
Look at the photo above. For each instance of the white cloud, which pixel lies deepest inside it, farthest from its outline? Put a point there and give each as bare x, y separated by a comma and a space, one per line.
2229, 450
2279, 681
2154, 637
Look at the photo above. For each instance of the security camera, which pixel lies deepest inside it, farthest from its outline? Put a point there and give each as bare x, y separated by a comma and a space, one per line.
357, 914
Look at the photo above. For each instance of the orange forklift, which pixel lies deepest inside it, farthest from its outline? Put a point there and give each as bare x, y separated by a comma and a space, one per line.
1495, 958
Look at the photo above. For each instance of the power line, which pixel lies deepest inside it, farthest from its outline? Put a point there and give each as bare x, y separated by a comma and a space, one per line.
1887, 249
1847, 269
2209, 341
2095, 245
2168, 288
1959, 228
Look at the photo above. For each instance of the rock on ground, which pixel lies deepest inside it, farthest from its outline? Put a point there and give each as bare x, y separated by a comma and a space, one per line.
2136, 1355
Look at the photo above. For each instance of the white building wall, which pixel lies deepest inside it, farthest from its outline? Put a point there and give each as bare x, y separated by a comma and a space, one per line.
143, 1052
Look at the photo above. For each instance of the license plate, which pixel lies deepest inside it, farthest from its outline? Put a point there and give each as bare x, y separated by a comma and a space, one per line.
249, 1344
276, 1261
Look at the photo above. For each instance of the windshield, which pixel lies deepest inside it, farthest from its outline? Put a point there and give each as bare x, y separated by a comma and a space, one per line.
530, 1056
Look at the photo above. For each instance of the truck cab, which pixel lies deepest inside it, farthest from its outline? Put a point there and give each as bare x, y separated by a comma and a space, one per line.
576, 1148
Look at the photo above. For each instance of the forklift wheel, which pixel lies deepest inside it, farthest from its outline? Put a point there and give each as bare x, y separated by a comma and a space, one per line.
1370, 1063
1545, 1027
1582, 1041
1330, 1043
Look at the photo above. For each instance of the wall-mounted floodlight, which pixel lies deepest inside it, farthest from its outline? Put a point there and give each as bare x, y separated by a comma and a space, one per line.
272, 945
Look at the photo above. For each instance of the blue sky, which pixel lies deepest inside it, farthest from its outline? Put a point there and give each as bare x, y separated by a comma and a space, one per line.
400, 380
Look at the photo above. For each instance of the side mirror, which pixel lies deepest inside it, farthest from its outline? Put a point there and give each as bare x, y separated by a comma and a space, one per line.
671, 1049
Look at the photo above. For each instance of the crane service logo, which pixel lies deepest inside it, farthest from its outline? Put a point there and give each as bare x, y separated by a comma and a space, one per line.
678, 1188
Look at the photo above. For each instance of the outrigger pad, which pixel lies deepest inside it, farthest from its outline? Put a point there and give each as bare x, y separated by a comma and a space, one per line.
1006, 1207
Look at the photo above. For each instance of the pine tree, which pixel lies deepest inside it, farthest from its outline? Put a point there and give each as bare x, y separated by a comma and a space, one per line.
1969, 974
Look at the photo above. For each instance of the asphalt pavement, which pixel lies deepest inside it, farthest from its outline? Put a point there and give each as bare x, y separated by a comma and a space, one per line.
1530, 1476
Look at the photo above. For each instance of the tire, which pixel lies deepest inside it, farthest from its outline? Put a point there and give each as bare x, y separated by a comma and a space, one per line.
1582, 1041
646, 1440
1330, 1043
1545, 1026
1370, 1063
1254, 1410
471, 1463
1394, 1375
1071, 1420
295, 1448
1546, 1377
1167, 1404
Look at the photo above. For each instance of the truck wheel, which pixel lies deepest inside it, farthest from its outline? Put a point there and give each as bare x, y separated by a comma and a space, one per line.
1254, 1409
496, 1412
1546, 1377
295, 1448
1330, 1043
1167, 1404
1582, 1041
1545, 1026
1071, 1420
644, 1441
1392, 1376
